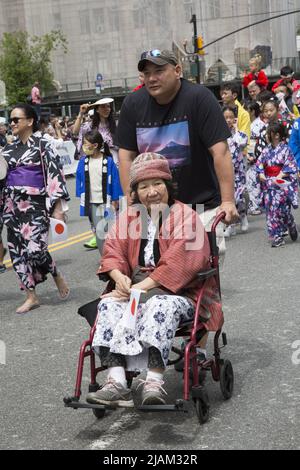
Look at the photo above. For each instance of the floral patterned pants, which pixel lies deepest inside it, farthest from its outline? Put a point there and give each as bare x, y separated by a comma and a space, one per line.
27, 240
157, 322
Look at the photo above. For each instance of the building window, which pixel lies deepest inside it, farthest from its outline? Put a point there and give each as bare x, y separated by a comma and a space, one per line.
57, 20
214, 8
114, 19
160, 13
102, 63
188, 10
98, 20
85, 26
13, 23
138, 17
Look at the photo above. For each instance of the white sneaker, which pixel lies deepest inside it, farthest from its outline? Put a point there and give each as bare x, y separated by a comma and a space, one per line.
244, 223
229, 231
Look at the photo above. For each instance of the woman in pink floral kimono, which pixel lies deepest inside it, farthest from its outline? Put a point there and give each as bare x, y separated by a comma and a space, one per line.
33, 190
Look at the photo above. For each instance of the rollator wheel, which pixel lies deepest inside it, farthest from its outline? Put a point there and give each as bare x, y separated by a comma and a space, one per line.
202, 407
226, 379
98, 413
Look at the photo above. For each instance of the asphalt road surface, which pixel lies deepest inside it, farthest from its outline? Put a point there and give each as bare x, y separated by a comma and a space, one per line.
260, 287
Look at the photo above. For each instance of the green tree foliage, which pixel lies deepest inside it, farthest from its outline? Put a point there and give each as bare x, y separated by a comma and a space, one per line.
25, 59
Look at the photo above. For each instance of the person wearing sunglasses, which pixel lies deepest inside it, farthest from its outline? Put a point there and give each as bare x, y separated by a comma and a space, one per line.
33, 190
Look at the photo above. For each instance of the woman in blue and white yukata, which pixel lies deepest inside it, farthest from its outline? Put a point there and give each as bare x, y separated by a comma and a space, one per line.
277, 171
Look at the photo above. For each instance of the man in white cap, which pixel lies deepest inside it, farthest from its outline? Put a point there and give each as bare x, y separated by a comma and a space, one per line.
182, 121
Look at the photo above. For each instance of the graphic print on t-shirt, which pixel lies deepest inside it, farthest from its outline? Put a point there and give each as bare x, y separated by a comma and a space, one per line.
172, 141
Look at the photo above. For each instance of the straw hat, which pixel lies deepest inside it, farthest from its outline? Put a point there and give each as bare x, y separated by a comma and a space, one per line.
102, 101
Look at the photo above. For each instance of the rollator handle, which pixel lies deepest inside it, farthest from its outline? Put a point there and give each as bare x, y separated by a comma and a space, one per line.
217, 220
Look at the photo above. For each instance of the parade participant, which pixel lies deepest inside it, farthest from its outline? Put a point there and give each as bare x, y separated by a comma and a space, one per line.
33, 190
158, 262
253, 185
288, 110
287, 79
2, 249
103, 121
237, 144
229, 93
270, 110
254, 90
3, 132
294, 142
97, 182
142, 82
277, 171
184, 122
256, 73
36, 99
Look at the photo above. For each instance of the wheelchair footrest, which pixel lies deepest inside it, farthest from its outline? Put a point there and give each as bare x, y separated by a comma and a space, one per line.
73, 403
180, 405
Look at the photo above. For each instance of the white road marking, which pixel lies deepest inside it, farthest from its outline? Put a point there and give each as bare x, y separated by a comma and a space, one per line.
114, 432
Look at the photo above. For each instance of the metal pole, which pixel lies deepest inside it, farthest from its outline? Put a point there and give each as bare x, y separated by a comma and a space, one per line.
194, 21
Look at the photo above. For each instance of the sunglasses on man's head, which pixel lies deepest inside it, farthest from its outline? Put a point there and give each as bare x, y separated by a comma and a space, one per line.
153, 53
15, 120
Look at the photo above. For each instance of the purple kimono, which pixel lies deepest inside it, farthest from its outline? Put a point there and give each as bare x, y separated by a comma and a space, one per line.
275, 199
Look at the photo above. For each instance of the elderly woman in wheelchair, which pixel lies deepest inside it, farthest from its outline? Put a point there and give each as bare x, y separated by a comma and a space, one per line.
158, 245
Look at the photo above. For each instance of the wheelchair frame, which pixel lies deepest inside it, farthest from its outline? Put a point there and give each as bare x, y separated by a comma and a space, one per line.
221, 369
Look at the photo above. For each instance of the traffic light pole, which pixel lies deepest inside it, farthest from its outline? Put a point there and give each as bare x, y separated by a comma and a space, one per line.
194, 21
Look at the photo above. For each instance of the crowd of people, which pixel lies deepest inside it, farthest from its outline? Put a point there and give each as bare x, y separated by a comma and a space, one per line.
174, 147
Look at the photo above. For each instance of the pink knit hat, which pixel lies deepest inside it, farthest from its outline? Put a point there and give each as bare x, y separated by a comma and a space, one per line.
149, 165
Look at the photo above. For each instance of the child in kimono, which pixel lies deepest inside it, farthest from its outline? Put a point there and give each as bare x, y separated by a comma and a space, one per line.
97, 184
277, 170
237, 143
253, 185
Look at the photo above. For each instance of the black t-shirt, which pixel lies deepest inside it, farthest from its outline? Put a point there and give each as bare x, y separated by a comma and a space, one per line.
182, 131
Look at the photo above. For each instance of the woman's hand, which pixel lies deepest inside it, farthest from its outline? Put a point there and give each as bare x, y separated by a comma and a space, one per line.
146, 284
262, 177
58, 213
115, 294
84, 108
123, 285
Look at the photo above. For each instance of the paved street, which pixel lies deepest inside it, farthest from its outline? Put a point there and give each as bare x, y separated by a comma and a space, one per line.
261, 301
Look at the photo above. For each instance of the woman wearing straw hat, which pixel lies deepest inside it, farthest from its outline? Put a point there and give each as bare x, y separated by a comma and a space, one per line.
104, 122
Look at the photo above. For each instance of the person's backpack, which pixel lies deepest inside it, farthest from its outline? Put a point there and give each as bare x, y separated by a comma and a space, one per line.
29, 99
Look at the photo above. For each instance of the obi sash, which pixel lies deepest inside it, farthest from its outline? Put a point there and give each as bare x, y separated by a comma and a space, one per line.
29, 175
272, 171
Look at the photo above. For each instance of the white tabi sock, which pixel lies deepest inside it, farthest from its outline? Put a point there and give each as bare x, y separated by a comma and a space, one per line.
118, 374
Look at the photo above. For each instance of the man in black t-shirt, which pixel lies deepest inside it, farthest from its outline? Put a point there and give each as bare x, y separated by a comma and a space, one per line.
183, 122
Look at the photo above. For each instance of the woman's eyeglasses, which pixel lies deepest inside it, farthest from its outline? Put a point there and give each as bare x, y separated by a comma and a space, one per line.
15, 120
153, 53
